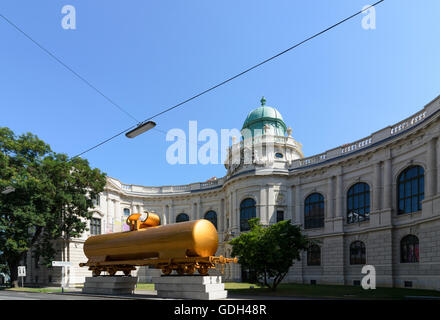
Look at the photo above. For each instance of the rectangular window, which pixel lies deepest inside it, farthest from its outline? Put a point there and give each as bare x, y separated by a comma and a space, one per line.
96, 202
95, 226
280, 216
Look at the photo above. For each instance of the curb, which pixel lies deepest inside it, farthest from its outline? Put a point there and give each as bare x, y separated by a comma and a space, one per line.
124, 297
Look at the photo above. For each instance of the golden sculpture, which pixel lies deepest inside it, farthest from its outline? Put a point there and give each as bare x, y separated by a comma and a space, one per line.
184, 247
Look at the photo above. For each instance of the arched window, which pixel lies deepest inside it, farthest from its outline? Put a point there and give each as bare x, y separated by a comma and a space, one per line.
410, 190
247, 211
314, 211
314, 255
211, 216
357, 253
126, 212
358, 203
182, 217
409, 249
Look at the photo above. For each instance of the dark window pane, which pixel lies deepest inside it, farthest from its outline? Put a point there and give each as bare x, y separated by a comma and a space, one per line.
358, 202
212, 216
182, 217
95, 226
357, 253
415, 187
314, 255
314, 211
410, 189
280, 216
407, 205
247, 211
409, 249
414, 204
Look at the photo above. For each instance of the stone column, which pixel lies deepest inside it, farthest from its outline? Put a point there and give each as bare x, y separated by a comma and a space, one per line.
431, 174
171, 217
235, 221
236, 212
339, 196
330, 214
263, 204
231, 213
269, 205
375, 199
165, 215
438, 165
194, 211
221, 218
112, 216
340, 215
377, 187
200, 209
227, 213
117, 225
298, 205
329, 205
109, 216
289, 205
388, 185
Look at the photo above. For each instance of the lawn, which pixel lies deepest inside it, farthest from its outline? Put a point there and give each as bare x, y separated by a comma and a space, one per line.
295, 290
32, 289
317, 291
145, 286
327, 291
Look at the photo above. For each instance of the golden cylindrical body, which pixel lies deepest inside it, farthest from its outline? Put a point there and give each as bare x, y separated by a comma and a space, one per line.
185, 239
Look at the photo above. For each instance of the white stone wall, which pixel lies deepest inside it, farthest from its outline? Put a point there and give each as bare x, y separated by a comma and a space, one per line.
284, 185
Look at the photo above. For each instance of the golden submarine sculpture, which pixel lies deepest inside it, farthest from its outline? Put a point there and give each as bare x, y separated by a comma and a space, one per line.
184, 247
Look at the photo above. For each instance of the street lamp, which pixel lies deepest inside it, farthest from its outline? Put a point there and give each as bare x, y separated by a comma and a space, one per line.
141, 128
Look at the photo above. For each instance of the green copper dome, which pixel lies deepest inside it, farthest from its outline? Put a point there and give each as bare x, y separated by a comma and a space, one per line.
264, 115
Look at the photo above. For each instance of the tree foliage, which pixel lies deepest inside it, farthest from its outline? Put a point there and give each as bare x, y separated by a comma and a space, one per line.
51, 200
269, 251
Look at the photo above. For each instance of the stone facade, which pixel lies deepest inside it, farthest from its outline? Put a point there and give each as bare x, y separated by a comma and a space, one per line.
280, 179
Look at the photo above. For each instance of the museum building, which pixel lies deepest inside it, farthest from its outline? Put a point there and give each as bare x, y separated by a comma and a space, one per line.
375, 201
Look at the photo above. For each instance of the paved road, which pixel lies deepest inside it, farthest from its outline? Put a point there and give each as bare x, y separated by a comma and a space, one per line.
17, 295
140, 295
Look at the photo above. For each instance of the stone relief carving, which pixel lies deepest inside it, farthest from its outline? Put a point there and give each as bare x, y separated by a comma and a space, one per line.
280, 197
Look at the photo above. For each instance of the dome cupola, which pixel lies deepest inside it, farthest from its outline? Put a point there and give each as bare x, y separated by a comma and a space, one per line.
262, 120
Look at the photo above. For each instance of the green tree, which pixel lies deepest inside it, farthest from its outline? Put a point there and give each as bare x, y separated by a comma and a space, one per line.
269, 251
51, 200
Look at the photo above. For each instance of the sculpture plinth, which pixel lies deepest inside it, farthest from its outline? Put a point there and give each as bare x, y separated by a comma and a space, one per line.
110, 285
190, 287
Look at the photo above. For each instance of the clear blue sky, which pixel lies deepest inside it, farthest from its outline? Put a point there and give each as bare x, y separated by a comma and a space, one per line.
149, 55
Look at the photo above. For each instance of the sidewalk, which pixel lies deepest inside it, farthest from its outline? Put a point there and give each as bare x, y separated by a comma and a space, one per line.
152, 295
